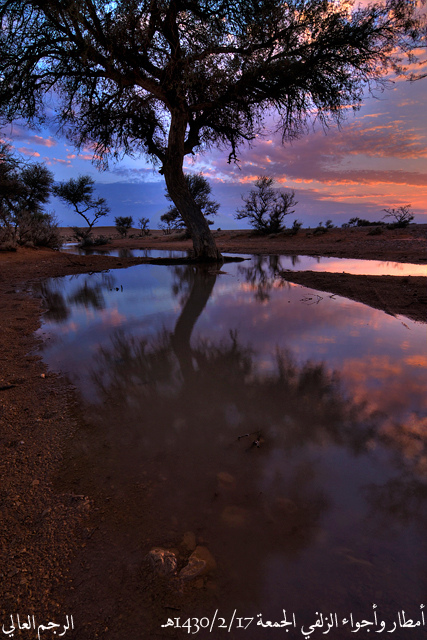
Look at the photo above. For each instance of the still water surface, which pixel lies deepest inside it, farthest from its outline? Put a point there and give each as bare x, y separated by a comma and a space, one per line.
293, 263
285, 427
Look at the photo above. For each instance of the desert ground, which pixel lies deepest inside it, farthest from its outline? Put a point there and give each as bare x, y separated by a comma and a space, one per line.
43, 525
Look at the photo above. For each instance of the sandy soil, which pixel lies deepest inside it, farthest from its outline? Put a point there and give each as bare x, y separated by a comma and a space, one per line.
45, 526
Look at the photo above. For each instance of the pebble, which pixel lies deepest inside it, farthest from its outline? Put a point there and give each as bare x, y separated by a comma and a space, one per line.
163, 561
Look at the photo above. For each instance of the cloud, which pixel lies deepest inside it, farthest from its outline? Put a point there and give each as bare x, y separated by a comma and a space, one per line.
340, 157
52, 161
44, 142
137, 175
29, 152
17, 133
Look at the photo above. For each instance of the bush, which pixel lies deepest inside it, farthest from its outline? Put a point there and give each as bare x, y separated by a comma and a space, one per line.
376, 231
320, 229
94, 242
296, 226
266, 207
361, 222
39, 230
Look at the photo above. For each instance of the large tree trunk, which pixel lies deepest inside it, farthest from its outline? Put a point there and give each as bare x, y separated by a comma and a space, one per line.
203, 242
201, 290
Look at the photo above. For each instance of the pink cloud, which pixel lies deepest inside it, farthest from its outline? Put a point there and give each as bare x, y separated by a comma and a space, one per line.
29, 152
44, 142
51, 161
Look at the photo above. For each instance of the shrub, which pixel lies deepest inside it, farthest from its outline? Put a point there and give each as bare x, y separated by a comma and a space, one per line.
376, 231
98, 241
296, 226
320, 229
361, 222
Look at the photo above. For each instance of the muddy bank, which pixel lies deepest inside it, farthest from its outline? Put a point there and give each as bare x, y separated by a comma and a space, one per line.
38, 415
405, 296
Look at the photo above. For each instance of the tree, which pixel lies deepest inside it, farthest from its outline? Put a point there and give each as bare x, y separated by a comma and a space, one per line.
24, 190
123, 224
402, 215
143, 225
172, 77
200, 190
266, 207
79, 194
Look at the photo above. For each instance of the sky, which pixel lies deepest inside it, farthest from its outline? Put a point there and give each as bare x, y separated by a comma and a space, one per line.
377, 159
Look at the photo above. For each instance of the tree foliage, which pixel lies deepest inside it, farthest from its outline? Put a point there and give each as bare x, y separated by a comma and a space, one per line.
78, 193
200, 190
123, 224
266, 207
172, 77
24, 190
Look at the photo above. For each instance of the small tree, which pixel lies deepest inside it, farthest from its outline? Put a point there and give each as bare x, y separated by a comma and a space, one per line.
24, 190
266, 207
143, 225
402, 216
200, 190
123, 224
79, 194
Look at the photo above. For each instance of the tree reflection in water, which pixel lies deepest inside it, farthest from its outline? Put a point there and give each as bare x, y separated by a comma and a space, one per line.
177, 411
88, 294
262, 275
166, 444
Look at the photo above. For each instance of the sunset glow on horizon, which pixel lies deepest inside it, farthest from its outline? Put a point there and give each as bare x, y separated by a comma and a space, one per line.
376, 159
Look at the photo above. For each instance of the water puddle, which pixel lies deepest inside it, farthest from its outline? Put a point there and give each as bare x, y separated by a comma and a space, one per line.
282, 430
280, 263
123, 252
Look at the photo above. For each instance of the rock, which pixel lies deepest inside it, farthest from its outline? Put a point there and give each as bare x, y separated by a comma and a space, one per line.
203, 553
194, 568
189, 541
200, 563
162, 561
